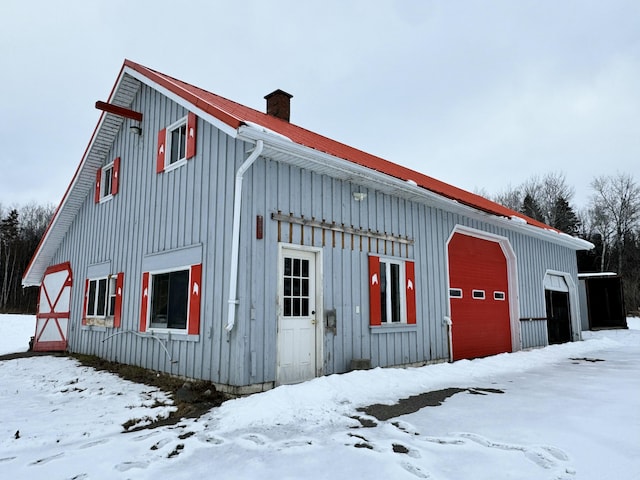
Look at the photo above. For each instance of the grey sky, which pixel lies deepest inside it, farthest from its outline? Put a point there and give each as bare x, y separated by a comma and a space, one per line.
480, 94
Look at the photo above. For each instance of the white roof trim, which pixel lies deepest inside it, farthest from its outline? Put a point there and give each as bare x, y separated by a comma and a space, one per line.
294, 153
219, 124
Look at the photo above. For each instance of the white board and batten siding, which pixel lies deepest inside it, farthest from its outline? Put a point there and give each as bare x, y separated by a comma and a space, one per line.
188, 212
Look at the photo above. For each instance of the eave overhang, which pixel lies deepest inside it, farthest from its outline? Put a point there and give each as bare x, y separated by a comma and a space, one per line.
281, 149
102, 139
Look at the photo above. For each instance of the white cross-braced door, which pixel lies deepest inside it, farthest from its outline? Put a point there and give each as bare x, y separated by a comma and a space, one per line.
54, 305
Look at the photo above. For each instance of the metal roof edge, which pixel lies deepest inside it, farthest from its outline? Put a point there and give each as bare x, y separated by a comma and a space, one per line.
409, 188
175, 93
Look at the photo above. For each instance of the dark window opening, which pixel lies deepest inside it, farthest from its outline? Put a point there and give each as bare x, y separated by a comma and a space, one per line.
178, 144
478, 294
170, 299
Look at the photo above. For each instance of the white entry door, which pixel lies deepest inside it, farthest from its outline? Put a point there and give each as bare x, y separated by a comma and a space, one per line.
297, 326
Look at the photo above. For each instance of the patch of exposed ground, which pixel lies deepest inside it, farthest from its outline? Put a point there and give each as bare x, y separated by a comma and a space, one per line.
30, 353
416, 402
192, 398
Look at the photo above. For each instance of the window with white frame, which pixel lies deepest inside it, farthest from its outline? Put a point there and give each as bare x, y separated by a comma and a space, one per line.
101, 297
107, 181
392, 293
169, 299
176, 142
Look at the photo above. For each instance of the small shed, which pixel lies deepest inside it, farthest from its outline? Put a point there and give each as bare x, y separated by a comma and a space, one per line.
601, 301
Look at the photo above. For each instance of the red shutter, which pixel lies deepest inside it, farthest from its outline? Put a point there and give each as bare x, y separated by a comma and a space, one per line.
115, 176
144, 302
195, 288
96, 197
375, 305
117, 315
86, 299
162, 140
192, 122
410, 271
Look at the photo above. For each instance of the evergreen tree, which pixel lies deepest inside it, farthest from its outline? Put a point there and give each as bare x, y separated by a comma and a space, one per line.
531, 208
564, 218
9, 229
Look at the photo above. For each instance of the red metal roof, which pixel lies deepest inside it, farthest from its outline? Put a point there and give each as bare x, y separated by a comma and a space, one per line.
235, 115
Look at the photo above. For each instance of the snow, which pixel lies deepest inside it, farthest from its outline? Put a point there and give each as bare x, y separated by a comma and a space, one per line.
263, 129
597, 274
567, 411
15, 332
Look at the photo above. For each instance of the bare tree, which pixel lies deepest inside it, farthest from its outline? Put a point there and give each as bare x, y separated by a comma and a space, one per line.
554, 197
545, 198
511, 198
615, 210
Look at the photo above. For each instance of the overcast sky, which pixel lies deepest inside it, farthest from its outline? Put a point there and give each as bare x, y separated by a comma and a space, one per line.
481, 94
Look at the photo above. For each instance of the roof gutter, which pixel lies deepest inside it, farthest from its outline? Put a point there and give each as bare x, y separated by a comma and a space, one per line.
310, 157
235, 234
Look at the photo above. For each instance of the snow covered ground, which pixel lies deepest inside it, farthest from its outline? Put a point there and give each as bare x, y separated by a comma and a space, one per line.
564, 412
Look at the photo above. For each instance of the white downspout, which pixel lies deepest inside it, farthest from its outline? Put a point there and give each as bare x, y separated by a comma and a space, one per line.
235, 234
449, 324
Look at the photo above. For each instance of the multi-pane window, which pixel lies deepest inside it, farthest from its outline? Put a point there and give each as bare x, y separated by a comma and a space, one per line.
170, 299
296, 287
101, 297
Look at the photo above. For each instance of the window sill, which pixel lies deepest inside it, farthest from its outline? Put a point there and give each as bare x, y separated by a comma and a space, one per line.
401, 327
166, 334
173, 166
106, 322
106, 198
93, 328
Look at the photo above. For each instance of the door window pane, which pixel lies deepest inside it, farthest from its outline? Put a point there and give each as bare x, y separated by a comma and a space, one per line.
296, 294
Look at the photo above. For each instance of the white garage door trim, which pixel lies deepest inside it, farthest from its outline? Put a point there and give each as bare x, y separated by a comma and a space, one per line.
551, 281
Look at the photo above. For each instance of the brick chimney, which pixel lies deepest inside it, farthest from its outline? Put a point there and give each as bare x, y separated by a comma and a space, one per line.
278, 104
